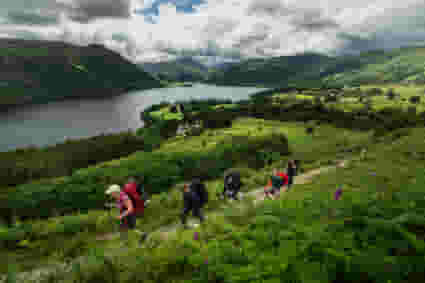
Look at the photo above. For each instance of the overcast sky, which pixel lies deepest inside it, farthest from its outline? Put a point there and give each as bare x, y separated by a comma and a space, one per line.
155, 30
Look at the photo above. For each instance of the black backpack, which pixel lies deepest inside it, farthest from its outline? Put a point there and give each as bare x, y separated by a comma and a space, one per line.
142, 193
199, 188
277, 181
233, 180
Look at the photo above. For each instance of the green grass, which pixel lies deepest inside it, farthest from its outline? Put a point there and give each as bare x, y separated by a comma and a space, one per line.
305, 236
313, 152
308, 236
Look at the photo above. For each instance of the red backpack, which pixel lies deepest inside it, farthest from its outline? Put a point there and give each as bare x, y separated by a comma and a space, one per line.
138, 203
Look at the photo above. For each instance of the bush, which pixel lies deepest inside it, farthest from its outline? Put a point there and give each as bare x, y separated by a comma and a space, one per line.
415, 99
391, 94
331, 98
411, 110
84, 190
24, 165
317, 99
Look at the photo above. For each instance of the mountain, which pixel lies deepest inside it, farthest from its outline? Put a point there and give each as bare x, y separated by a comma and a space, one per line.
182, 69
403, 65
272, 72
43, 71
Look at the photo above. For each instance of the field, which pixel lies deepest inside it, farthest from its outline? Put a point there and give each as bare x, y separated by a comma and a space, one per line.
374, 233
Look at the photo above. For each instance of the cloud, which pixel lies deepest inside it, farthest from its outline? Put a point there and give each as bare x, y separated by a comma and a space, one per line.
312, 20
85, 11
224, 29
31, 18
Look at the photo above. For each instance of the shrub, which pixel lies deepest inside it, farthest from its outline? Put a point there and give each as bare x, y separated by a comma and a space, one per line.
391, 94
331, 98
309, 130
415, 99
411, 110
24, 165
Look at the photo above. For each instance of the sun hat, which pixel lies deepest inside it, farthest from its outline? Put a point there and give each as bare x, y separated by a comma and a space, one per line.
113, 189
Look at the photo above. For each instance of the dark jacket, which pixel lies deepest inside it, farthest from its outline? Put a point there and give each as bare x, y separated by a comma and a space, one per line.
191, 200
291, 170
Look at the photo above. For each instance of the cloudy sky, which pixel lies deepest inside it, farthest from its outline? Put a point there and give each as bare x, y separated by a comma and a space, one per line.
157, 30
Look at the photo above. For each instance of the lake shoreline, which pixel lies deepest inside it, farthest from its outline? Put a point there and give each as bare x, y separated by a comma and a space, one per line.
47, 124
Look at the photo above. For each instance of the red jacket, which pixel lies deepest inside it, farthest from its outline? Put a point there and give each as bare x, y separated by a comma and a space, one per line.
138, 203
283, 176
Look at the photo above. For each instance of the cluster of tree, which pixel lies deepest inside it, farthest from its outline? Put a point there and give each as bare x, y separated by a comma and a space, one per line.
24, 165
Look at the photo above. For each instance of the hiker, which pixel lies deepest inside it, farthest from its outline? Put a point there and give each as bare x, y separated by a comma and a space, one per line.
297, 166
192, 202
278, 180
232, 185
142, 192
130, 205
291, 171
199, 188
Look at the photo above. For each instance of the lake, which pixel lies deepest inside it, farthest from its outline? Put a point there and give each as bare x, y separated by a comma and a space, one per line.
52, 123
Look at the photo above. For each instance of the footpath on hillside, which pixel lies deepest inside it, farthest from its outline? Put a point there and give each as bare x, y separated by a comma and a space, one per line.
167, 231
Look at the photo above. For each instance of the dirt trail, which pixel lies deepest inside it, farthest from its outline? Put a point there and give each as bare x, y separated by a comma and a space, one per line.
166, 231
259, 195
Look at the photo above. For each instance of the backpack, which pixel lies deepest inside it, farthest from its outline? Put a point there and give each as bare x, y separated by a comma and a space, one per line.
233, 180
277, 181
199, 188
138, 203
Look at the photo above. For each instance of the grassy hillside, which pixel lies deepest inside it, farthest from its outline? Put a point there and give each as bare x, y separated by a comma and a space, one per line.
404, 65
273, 72
183, 69
307, 234
375, 233
42, 71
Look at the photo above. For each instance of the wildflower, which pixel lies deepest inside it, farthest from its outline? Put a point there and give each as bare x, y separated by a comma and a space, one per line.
196, 236
338, 193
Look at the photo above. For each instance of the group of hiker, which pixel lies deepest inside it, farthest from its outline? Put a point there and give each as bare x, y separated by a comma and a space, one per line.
132, 198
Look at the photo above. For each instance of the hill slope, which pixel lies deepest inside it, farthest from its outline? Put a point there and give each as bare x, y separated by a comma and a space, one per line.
273, 72
182, 69
42, 71
404, 65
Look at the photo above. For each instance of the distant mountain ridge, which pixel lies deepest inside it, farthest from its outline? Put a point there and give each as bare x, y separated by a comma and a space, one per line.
404, 65
273, 72
181, 69
42, 71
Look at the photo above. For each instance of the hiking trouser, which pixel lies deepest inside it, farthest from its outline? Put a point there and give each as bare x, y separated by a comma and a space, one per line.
128, 222
196, 212
290, 181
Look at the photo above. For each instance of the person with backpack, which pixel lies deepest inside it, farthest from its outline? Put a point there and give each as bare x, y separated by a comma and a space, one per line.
199, 188
232, 185
192, 202
130, 205
291, 171
142, 192
277, 181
